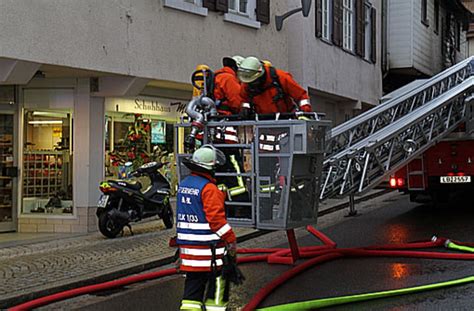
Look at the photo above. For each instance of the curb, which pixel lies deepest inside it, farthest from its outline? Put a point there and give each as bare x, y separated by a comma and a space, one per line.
152, 264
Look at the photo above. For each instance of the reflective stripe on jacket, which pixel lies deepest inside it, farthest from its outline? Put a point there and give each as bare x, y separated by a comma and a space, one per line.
201, 225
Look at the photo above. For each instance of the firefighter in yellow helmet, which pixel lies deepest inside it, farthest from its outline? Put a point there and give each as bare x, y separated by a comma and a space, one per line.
202, 72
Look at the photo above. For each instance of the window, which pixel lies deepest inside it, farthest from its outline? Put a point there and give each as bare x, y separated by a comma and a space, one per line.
47, 162
348, 20
368, 31
458, 36
248, 12
190, 6
238, 6
424, 12
326, 19
436, 16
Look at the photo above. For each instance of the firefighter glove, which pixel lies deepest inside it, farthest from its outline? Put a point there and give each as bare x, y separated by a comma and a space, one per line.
306, 108
230, 271
245, 112
232, 249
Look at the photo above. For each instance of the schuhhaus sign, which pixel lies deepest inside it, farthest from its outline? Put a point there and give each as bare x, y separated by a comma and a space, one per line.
167, 109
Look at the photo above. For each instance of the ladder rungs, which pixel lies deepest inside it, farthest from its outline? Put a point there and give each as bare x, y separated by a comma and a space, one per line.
234, 203
242, 146
234, 174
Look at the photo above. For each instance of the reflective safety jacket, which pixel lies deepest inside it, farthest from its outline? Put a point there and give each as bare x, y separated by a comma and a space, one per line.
201, 225
227, 90
276, 95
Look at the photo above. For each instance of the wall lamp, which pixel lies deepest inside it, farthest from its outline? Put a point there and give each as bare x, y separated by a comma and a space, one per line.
305, 8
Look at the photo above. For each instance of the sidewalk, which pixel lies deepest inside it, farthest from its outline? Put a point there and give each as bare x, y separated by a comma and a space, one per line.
31, 268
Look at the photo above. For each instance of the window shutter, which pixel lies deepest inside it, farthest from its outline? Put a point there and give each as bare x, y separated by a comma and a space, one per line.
263, 11
210, 4
373, 34
319, 18
337, 22
222, 6
360, 28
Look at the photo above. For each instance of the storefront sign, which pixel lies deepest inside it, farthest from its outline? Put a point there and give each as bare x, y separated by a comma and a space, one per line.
167, 109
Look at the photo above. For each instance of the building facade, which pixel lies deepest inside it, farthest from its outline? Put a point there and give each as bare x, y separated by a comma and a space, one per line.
78, 77
469, 4
335, 53
80, 81
423, 38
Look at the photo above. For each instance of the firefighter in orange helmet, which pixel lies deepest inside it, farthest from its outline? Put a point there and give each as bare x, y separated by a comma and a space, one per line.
266, 89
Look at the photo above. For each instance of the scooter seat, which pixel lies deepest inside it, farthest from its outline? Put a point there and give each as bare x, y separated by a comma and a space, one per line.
131, 184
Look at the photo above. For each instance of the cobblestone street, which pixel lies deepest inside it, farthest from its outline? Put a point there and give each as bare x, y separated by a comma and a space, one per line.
33, 270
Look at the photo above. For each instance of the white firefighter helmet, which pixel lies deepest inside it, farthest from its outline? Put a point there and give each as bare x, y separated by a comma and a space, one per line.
250, 69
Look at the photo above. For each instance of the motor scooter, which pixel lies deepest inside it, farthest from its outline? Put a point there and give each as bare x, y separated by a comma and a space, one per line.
124, 201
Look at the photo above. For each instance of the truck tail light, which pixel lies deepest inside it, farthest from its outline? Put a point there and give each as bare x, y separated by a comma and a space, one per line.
396, 182
393, 182
400, 182
461, 174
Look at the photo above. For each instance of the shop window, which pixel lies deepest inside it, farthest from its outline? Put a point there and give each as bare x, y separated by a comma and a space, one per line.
47, 163
7, 168
137, 139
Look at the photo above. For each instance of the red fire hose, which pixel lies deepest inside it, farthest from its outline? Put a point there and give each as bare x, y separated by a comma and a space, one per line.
315, 254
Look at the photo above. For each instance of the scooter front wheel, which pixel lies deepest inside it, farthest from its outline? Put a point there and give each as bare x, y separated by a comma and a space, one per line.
167, 216
108, 227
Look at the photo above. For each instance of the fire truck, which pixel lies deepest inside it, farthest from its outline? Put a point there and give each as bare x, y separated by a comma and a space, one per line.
444, 172
442, 165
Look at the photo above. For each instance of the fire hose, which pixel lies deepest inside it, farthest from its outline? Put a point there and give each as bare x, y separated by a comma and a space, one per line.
315, 255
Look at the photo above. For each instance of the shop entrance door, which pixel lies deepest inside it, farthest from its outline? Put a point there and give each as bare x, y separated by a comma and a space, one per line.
8, 172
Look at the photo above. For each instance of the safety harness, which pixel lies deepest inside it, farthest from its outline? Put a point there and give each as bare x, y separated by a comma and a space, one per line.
255, 91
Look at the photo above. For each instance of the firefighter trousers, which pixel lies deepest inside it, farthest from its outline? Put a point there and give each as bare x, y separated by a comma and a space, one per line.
205, 291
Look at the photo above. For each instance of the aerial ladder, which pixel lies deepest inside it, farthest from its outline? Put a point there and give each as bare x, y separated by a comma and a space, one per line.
366, 149
290, 165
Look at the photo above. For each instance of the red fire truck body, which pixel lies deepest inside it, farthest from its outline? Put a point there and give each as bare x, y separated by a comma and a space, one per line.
443, 172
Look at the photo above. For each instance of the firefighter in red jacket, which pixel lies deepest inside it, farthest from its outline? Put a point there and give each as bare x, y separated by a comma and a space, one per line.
266, 90
227, 86
203, 235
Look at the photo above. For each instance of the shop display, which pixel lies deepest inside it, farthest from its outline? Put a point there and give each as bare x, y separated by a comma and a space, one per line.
136, 146
6, 182
45, 181
158, 132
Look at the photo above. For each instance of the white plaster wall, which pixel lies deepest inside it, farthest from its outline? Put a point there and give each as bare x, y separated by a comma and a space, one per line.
96, 147
470, 47
81, 153
427, 53
134, 37
400, 29
324, 67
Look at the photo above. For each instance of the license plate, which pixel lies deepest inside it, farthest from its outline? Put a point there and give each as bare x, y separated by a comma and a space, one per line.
103, 201
455, 179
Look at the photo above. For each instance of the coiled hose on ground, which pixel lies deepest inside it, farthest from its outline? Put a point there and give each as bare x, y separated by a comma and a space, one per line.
315, 255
